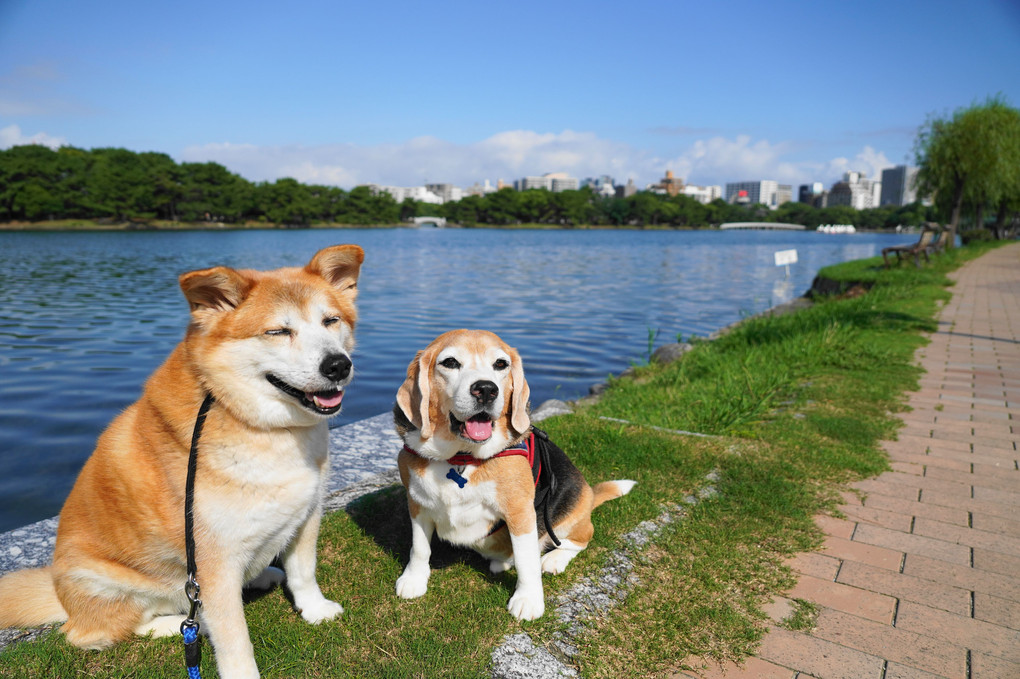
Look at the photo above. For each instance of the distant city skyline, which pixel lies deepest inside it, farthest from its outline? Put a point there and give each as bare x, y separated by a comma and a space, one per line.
409, 94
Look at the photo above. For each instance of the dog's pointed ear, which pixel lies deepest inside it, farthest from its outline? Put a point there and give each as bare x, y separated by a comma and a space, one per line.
216, 289
519, 418
339, 265
415, 393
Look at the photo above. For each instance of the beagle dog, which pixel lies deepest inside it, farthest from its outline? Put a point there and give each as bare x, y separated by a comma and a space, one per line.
477, 472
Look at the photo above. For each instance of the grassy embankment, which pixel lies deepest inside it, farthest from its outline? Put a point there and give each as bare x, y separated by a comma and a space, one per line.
797, 405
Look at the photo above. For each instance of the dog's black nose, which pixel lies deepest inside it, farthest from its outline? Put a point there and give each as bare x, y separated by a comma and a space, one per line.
335, 367
484, 391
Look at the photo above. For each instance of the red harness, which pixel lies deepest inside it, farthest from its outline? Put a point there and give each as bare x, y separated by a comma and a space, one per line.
525, 449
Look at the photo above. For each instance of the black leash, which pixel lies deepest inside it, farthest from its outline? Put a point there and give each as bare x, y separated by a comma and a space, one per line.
547, 480
190, 626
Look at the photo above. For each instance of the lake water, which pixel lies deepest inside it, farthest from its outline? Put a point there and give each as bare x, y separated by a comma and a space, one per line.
86, 317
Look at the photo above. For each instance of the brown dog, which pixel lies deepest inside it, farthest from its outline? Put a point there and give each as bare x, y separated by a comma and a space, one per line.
273, 349
462, 412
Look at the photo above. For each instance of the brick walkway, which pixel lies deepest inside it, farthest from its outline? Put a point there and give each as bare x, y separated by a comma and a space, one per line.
922, 579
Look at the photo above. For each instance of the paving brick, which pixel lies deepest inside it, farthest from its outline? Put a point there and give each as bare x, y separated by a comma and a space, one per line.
1003, 585
819, 657
907, 587
913, 508
984, 666
929, 461
1002, 497
846, 598
882, 487
892, 643
751, 668
815, 564
995, 562
898, 671
880, 557
880, 517
840, 528
779, 609
996, 610
912, 544
974, 634
907, 468
995, 524
970, 505
953, 488
970, 537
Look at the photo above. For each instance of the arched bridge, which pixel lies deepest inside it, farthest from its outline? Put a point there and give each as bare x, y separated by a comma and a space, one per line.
438, 222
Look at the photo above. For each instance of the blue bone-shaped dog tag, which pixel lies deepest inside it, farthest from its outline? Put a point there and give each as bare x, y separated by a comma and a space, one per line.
454, 476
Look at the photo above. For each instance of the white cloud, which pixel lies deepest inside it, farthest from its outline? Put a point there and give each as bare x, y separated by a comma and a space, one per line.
513, 154
12, 136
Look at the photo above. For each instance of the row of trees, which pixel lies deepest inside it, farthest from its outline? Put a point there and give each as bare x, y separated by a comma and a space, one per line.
970, 163
38, 184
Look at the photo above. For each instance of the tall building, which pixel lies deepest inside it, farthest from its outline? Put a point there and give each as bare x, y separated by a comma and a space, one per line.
898, 185
703, 194
809, 193
400, 193
552, 181
626, 191
856, 190
669, 185
446, 192
603, 186
770, 193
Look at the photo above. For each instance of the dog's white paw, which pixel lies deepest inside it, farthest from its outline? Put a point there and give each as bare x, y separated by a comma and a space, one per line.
555, 562
501, 565
267, 579
412, 584
321, 610
527, 605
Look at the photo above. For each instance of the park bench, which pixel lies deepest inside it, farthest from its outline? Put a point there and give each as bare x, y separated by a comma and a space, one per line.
939, 244
912, 249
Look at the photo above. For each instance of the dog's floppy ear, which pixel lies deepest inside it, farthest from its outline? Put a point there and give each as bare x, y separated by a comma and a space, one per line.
519, 418
339, 265
216, 289
416, 391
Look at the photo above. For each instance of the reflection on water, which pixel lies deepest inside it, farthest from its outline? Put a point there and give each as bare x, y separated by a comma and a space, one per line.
85, 317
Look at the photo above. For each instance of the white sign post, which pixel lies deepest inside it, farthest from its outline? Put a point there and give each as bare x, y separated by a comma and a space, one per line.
786, 258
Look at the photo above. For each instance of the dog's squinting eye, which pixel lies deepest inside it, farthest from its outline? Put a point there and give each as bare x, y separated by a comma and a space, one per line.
501, 364
451, 363
332, 320
280, 332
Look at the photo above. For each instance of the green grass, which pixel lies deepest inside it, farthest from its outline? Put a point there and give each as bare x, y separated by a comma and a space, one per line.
796, 405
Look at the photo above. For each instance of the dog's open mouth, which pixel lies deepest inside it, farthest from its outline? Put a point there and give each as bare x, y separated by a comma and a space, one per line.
477, 428
322, 402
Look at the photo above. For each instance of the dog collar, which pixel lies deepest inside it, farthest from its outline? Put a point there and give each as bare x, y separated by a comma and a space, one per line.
525, 448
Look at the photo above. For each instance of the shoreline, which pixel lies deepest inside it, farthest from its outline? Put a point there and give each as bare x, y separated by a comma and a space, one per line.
352, 473
150, 226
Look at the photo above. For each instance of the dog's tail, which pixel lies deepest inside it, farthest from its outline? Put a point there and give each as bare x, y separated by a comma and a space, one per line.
29, 598
610, 490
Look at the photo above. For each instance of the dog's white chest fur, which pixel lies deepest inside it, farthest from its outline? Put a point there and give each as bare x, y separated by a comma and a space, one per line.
462, 516
269, 495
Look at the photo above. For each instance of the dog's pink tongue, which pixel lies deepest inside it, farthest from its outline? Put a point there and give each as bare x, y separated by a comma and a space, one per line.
478, 430
328, 401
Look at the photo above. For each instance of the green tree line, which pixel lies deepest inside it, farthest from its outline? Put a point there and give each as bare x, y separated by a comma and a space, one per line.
39, 184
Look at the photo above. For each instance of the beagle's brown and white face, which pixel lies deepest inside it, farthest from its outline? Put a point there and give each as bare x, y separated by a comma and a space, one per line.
465, 392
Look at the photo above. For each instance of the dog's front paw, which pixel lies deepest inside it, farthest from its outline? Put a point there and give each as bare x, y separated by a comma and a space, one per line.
321, 610
267, 579
527, 605
555, 562
412, 584
497, 566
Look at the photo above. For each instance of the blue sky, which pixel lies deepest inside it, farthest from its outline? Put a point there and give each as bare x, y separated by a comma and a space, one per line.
405, 92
